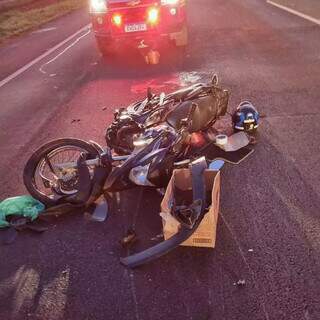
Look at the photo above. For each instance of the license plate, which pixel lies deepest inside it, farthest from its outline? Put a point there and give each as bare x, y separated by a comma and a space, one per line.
135, 27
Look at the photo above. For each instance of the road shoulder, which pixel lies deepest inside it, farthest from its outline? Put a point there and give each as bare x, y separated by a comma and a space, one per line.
19, 52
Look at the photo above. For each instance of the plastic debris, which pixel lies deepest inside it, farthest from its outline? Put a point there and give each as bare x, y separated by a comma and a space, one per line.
100, 212
235, 142
216, 165
129, 238
157, 237
24, 206
240, 283
253, 140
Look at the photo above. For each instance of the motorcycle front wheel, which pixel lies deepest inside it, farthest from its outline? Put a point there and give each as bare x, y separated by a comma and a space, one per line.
44, 175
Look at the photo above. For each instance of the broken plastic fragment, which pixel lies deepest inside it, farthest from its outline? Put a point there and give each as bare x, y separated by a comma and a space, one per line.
235, 142
129, 238
216, 165
158, 236
240, 283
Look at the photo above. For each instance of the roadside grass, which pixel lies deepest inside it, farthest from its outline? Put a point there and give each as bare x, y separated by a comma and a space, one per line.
16, 21
7, 5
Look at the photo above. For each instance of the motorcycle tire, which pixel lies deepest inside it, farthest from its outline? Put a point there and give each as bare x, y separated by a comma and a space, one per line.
32, 164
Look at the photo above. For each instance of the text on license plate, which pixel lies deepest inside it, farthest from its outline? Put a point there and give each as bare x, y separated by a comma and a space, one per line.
135, 27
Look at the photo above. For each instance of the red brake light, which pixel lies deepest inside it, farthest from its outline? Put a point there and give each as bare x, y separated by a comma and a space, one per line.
117, 19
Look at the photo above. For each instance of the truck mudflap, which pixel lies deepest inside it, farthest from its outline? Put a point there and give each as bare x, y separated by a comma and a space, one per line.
199, 196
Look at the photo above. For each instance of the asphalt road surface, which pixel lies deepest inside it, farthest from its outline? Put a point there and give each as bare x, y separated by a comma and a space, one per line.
269, 227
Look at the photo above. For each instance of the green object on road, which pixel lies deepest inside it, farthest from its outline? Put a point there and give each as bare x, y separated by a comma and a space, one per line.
25, 206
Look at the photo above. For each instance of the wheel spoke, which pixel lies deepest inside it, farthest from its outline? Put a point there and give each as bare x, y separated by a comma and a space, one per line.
49, 164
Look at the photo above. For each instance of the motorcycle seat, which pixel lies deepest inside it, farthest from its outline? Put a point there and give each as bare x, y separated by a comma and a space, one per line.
181, 94
205, 113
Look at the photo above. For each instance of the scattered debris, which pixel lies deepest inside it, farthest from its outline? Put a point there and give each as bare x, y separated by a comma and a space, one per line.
216, 165
240, 283
232, 143
140, 150
100, 211
157, 237
22, 207
129, 238
253, 140
64, 272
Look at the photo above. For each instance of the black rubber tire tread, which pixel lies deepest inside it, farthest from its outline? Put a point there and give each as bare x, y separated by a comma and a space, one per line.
32, 163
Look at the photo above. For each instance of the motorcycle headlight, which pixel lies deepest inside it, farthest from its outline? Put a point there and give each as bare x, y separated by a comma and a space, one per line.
98, 6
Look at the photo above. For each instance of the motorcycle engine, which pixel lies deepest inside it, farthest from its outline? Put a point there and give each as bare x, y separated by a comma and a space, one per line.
119, 135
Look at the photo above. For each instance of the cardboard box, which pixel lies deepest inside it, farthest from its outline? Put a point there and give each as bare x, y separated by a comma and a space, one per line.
205, 235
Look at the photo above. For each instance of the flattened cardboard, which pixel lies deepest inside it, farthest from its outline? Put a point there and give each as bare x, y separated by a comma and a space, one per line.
205, 235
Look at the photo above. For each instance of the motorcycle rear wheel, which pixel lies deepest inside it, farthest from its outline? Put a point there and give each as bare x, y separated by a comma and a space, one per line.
40, 156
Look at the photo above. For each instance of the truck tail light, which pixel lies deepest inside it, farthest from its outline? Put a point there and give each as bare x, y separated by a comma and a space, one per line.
117, 19
153, 15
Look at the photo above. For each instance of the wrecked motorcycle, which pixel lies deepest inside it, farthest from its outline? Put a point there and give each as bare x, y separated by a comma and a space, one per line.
83, 181
58, 171
140, 116
76, 173
171, 128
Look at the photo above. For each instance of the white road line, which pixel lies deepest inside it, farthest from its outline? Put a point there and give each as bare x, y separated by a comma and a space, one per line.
297, 13
36, 60
45, 30
62, 52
